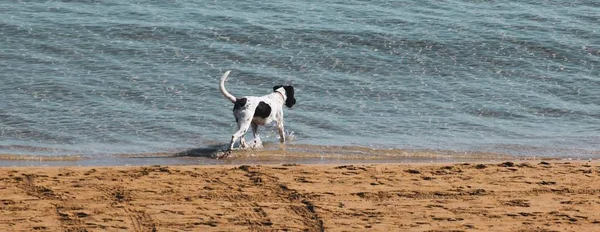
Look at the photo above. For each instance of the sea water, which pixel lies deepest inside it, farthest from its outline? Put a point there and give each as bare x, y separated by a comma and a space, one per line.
121, 76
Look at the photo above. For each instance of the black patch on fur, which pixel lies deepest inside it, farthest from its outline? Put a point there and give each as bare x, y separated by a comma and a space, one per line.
263, 110
289, 92
239, 103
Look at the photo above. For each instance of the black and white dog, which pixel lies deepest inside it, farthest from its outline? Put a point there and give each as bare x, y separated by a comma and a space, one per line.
250, 112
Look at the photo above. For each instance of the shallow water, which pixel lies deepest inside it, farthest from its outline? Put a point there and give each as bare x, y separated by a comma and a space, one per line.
270, 154
99, 78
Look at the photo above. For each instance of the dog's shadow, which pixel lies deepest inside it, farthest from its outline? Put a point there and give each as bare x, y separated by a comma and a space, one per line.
220, 151
212, 151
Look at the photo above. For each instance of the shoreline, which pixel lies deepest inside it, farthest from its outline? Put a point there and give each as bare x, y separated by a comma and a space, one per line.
271, 154
465, 196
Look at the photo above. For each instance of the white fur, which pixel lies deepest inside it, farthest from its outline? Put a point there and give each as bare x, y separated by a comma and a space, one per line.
245, 115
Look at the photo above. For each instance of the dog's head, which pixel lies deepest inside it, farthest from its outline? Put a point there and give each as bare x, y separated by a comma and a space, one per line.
289, 94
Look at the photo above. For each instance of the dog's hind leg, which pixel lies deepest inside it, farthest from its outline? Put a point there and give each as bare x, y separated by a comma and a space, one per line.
243, 144
242, 129
257, 142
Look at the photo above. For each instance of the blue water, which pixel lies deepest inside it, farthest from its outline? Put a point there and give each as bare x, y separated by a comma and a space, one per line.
118, 76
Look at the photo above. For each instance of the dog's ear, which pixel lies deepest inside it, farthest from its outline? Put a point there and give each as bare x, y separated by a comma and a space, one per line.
276, 87
289, 92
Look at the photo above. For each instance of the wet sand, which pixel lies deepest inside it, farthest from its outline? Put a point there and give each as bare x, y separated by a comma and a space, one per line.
500, 196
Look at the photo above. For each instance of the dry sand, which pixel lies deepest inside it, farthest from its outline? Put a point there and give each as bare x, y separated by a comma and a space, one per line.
527, 196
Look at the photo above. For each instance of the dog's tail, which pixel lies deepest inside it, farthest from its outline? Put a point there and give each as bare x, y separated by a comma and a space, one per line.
222, 87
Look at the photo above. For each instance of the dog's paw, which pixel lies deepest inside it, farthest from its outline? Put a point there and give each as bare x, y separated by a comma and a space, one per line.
257, 146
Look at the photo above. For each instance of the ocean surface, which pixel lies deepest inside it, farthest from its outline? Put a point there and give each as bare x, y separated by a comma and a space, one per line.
99, 78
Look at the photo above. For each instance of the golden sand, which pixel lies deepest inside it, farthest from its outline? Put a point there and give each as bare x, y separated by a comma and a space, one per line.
528, 196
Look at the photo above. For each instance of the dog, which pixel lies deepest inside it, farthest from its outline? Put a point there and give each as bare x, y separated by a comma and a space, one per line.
251, 112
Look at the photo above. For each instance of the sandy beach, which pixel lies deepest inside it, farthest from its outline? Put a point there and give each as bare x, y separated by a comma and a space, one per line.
502, 196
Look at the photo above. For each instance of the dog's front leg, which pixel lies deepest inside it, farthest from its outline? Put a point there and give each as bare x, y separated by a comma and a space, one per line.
281, 131
280, 126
